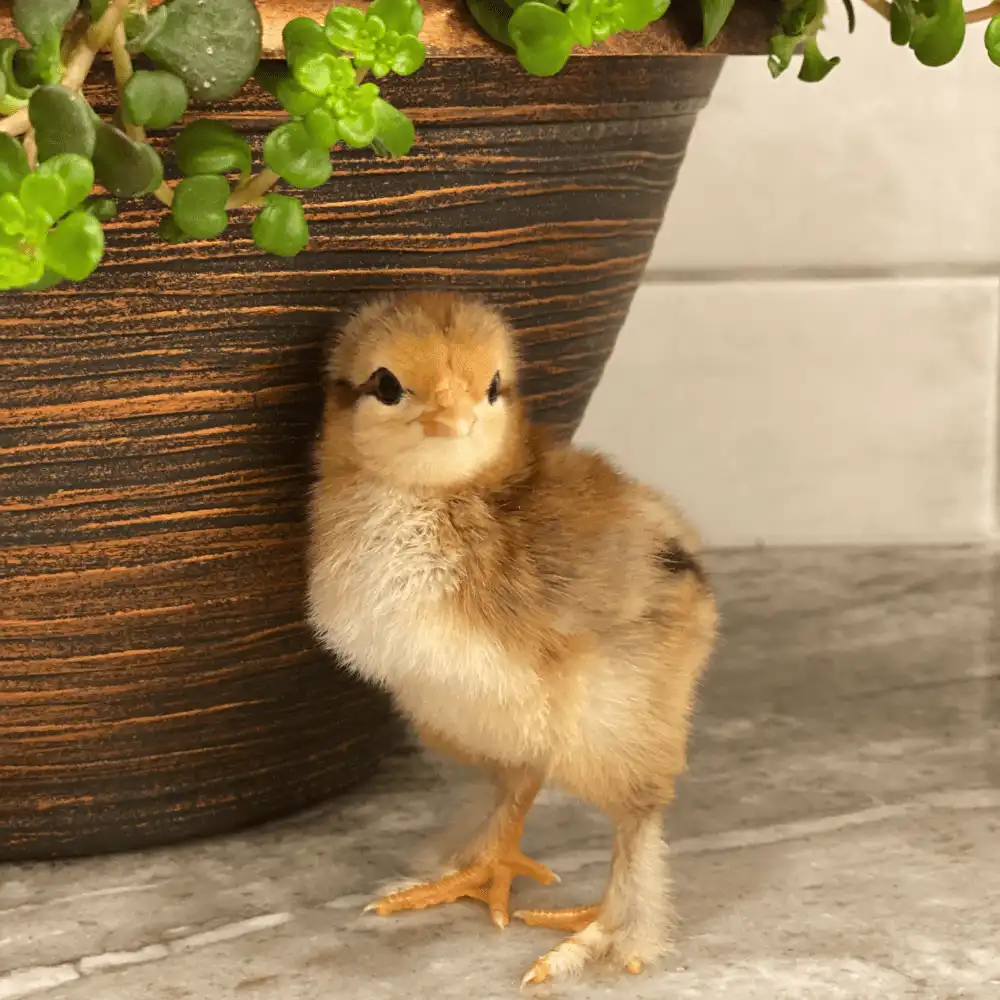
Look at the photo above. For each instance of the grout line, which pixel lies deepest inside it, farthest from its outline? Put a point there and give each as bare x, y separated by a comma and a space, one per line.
975, 546
993, 416
948, 802
778, 273
24, 982
34, 980
779, 833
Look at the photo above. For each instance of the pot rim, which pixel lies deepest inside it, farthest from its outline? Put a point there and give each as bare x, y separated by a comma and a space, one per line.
450, 33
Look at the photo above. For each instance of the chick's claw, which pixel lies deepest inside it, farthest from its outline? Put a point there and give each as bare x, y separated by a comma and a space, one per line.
538, 973
488, 882
446, 890
594, 942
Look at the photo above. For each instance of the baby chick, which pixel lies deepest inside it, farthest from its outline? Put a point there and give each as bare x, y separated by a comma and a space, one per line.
530, 608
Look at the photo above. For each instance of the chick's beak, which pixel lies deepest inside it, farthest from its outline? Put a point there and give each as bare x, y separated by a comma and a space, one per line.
451, 414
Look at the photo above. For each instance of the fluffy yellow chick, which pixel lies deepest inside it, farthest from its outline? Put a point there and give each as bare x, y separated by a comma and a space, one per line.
530, 608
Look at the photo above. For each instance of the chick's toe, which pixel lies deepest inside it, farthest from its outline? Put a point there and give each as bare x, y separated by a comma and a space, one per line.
488, 880
572, 919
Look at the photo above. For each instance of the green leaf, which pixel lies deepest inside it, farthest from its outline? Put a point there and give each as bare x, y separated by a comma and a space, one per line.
19, 269
542, 36
45, 194
63, 122
170, 232
13, 164
9, 49
295, 99
125, 167
345, 27
801, 17
315, 64
49, 279
394, 132
902, 17
322, 126
280, 227
302, 36
206, 146
37, 18
97, 9
714, 14
493, 16
76, 173
142, 27
75, 247
9, 105
403, 16
102, 209
639, 14
992, 44
199, 206
213, 47
319, 72
815, 66
357, 125
269, 74
13, 218
580, 22
782, 48
409, 56
937, 39
40, 64
155, 98
295, 156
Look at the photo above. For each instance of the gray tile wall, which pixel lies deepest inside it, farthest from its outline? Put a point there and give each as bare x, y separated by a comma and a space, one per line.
813, 357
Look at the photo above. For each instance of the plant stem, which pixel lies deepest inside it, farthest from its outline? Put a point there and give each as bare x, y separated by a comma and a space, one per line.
253, 188
31, 148
164, 194
73, 34
986, 13
97, 37
122, 62
17, 123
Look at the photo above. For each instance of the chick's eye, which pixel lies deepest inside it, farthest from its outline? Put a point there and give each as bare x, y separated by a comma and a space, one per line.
493, 393
387, 389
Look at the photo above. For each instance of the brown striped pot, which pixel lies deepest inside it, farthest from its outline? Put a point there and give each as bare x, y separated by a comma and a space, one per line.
156, 678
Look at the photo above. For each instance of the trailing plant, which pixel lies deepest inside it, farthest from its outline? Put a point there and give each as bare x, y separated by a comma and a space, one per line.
543, 33
54, 147
64, 168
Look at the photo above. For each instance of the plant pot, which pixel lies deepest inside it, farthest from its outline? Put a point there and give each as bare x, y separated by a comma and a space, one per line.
157, 680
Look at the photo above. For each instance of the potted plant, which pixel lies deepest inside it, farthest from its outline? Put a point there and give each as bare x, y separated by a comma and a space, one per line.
192, 196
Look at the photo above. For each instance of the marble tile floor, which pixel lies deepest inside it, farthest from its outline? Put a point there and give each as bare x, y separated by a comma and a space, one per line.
837, 836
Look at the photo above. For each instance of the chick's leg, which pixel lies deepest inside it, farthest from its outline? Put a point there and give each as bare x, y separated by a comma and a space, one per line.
490, 863
632, 922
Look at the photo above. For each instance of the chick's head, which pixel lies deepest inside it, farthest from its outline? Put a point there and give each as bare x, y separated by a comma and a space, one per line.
426, 389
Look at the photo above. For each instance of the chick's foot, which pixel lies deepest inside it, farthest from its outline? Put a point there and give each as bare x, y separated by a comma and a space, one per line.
593, 943
488, 880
